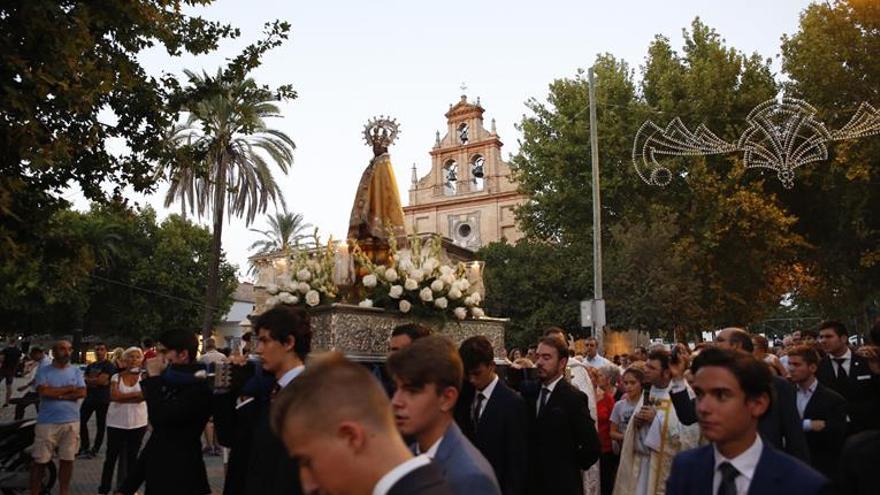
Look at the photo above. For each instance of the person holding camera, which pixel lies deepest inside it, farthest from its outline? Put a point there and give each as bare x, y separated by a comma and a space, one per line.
178, 407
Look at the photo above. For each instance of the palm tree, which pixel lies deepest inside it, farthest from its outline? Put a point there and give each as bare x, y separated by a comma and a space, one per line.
227, 131
285, 232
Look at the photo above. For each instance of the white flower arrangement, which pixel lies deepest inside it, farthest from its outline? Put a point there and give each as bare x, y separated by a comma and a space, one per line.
418, 281
312, 283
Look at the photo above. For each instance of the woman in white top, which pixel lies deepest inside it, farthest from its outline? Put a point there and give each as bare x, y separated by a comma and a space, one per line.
126, 419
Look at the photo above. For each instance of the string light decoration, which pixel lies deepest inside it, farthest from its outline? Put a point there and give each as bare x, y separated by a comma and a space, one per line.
781, 136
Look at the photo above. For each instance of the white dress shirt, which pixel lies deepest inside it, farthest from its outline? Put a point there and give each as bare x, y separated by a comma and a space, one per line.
804, 394
847, 362
487, 392
745, 463
432, 450
391, 478
290, 375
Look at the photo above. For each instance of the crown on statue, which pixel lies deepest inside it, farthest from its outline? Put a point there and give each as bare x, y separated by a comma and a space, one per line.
380, 132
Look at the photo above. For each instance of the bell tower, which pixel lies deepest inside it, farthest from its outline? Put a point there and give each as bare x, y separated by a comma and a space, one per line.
469, 194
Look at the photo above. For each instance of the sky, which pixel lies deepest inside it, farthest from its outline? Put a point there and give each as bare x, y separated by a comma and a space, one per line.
350, 61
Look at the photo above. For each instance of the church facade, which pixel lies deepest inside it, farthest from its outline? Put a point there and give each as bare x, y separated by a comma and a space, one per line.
469, 194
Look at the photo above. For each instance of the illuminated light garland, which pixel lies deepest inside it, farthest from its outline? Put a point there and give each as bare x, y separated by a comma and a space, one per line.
781, 136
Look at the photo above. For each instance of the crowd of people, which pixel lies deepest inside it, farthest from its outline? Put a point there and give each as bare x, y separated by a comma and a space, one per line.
732, 416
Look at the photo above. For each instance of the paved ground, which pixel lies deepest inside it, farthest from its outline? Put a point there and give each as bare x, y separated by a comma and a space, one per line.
87, 473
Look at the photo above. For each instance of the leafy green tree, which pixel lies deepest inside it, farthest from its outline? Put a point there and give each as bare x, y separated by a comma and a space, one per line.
833, 62
730, 228
286, 230
228, 131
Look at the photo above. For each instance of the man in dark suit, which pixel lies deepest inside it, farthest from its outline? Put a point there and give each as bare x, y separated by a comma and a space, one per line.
780, 427
427, 376
733, 391
171, 461
562, 436
494, 416
850, 375
822, 410
258, 463
335, 419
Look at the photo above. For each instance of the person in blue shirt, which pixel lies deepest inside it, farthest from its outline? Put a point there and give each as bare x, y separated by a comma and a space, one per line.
60, 387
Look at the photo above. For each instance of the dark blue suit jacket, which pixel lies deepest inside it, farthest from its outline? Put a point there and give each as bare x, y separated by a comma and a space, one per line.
465, 468
777, 473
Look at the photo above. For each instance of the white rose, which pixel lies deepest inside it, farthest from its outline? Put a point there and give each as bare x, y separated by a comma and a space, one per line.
395, 291
477, 312
272, 289
437, 286
411, 284
464, 284
454, 294
272, 301
477, 298
426, 295
441, 302
370, 281
366, 303
313, 298
416, 274
448, 279
391, 275
283, 280
460, 313
304, 275
446, 270
405, 306
469, 301
303, 288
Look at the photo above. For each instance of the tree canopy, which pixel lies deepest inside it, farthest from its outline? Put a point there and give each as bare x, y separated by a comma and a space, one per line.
720, 245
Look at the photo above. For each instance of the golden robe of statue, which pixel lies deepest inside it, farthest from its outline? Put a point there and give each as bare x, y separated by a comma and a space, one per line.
377, 212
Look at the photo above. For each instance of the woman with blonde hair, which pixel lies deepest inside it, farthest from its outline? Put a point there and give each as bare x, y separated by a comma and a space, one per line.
126, 419
115, 357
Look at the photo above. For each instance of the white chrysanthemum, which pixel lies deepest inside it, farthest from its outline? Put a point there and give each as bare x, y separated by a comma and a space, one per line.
370, 281
366, 303
441, 302
460, 313
303, 288
304, 275
287, 298
395, 291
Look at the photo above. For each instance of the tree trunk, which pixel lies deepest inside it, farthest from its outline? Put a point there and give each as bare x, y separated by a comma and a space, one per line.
216, 246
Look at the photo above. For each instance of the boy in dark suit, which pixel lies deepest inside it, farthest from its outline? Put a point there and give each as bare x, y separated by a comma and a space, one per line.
822, 410
335, 419
494, 417
733, 391
850, 375
563, 439
428, 376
